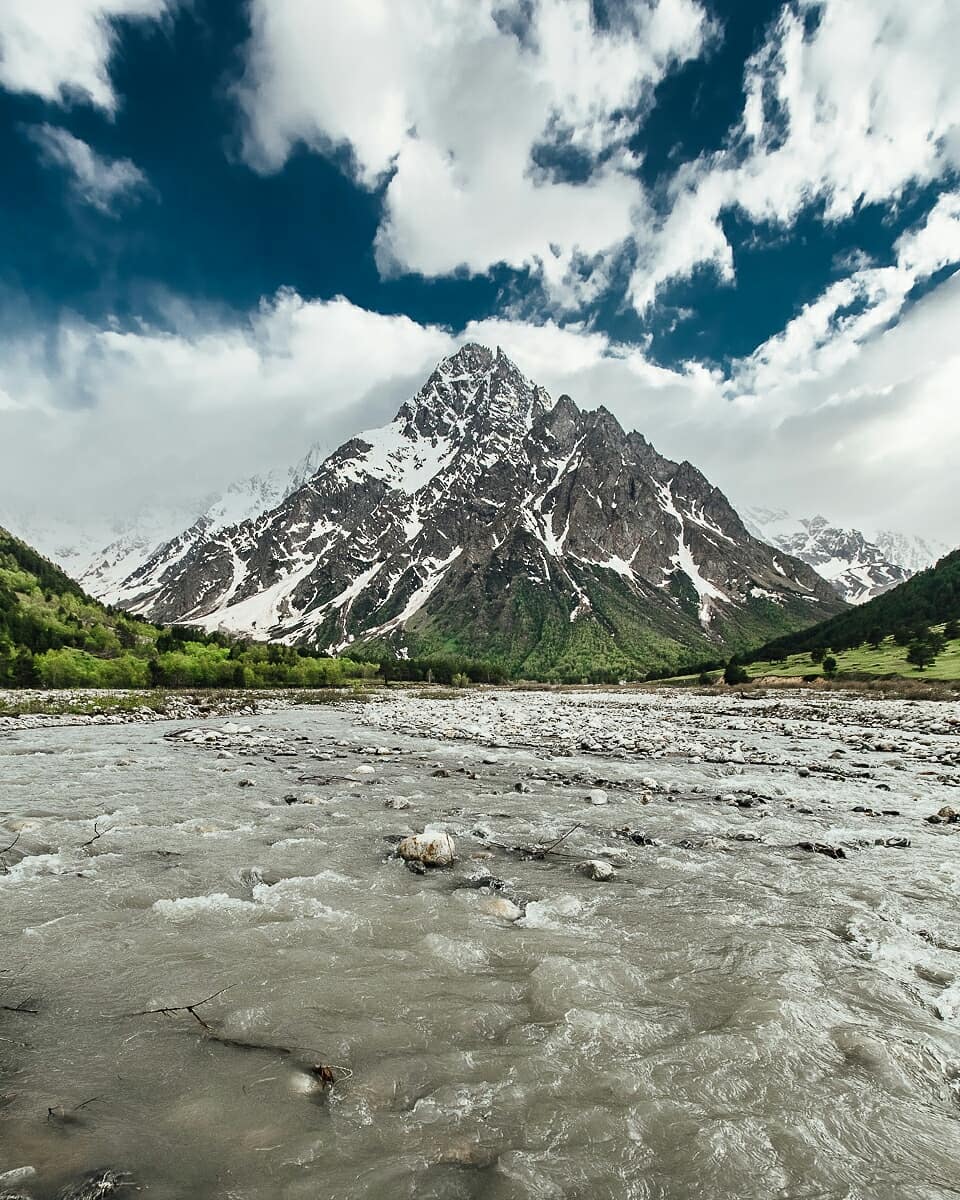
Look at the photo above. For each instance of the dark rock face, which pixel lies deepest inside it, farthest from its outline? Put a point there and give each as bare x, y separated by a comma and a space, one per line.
487, 520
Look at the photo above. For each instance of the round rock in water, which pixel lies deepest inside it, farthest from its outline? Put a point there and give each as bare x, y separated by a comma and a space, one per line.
434, 848
596, 868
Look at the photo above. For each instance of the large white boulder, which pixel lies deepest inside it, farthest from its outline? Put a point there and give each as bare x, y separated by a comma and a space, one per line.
434, 848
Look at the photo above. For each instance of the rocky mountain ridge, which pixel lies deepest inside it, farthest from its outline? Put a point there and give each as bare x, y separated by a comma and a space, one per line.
487, 520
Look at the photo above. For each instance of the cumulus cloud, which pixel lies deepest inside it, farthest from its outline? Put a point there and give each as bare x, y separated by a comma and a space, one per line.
447, 102
60, 49
849, 102
95, 180
118, 419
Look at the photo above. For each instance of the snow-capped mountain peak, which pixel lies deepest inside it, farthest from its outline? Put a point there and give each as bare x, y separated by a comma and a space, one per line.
484, 514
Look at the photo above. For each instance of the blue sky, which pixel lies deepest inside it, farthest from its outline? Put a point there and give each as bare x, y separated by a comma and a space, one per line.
231, 229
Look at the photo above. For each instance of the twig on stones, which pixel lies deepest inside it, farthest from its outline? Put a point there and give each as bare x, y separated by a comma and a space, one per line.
13, 843
562, 838
22, 1007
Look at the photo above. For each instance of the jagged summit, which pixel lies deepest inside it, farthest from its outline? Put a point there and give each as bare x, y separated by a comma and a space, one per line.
488, 520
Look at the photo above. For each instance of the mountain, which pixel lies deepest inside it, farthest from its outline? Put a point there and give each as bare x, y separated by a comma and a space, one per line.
930, 597
911, 552
486, 520
102, 555
857, 568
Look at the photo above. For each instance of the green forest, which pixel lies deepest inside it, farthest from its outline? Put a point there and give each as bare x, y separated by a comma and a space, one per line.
931, 597
53, 635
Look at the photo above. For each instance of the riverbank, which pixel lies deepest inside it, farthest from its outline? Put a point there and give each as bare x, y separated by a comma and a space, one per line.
37, 708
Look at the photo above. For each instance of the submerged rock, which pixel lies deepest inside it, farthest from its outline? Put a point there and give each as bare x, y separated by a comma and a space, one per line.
822, 848
596, 868
434, 848
93, 1186
500, 906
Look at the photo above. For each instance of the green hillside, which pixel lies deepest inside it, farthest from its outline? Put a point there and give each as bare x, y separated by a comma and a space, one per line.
54, 635
887, 658
906, 613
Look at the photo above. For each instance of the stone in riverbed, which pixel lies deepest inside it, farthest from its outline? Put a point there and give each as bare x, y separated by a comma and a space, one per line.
434, 848
93, 1186
396, 802
597, 796
597, 869
500, 906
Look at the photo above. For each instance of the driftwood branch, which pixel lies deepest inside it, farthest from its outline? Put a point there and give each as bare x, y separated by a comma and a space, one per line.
13, 843
563, 837
325, 1073
97, 833
169, 1009
59, 1113
22, 1007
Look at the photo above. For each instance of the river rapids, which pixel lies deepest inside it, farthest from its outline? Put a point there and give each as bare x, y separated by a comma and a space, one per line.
763, 1001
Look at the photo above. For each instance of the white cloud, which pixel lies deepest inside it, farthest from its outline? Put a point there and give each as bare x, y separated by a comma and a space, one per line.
830, 331
58, 49
98, 181
445, 95
854, 112
105, 421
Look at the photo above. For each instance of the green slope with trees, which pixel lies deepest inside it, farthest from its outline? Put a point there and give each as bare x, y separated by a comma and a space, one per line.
54, 635
905, 614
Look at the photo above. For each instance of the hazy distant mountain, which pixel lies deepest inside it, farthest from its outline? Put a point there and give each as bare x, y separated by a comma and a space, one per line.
487, 520
914, 553
101, 555
857, 567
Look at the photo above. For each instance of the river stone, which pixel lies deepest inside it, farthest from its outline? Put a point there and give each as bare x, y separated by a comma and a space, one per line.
595, 868
17, 1175
93, 1186
434, 848
500, 906
597, 796
397, 802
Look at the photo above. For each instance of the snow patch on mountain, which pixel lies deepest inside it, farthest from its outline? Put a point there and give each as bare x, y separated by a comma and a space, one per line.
683, 558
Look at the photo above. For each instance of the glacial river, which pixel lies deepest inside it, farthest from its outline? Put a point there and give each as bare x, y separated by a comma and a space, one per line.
731, 1017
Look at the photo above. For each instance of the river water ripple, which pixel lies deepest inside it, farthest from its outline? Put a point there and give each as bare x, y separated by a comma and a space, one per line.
730, 1017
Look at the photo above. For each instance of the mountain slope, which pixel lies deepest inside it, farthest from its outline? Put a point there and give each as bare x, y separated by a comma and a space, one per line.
857, 568
930, 597
487, 521
52, 633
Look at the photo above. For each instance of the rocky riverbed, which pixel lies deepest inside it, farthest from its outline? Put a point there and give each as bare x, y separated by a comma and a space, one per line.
674, 945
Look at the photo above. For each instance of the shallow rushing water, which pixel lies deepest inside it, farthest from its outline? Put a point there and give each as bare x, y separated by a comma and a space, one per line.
728, 1018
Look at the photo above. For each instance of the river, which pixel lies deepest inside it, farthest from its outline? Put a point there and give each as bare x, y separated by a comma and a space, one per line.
730, 1016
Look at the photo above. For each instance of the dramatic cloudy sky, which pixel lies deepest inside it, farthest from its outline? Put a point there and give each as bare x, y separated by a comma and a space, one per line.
232, 228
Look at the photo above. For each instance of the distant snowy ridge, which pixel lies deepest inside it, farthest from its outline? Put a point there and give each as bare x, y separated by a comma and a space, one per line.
857, 567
